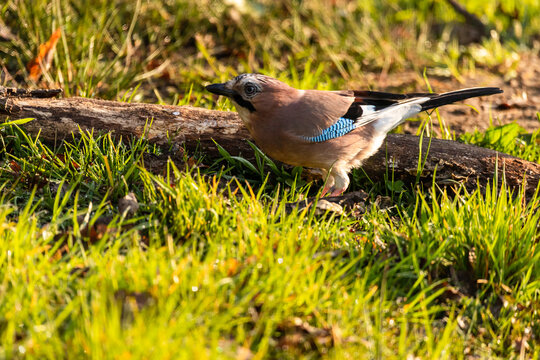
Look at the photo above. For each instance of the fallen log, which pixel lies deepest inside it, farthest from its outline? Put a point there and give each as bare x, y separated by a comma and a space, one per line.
452, 162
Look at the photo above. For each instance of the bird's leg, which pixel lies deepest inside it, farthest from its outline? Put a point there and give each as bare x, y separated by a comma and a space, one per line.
325, 190
328, 182
328, 190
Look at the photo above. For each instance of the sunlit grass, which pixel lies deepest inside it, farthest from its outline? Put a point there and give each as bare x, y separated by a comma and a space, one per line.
109, 48
510, 139
216, 267
215, 264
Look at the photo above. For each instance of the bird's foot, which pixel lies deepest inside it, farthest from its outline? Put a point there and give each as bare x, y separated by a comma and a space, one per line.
325, 190
332, 191
337, 192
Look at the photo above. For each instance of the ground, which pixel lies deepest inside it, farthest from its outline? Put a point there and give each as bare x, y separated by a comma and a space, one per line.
214, 261
519, 103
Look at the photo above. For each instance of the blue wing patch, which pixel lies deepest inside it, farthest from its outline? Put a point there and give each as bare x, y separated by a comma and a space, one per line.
341, 127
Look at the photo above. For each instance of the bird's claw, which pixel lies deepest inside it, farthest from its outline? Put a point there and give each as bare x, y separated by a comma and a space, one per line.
332, 191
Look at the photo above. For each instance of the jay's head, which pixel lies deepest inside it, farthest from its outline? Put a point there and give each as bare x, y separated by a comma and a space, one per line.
252, 93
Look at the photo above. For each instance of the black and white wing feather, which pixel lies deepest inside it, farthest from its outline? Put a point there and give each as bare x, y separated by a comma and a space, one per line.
387, 110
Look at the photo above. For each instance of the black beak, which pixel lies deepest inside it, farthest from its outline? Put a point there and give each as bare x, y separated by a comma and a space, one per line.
220, 89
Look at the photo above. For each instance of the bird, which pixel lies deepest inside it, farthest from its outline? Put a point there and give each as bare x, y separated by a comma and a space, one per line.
334, 131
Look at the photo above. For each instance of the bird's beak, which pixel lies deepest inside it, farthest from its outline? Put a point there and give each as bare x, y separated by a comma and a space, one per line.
220, 89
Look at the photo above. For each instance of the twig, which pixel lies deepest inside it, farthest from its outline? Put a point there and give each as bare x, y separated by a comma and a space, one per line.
470, 18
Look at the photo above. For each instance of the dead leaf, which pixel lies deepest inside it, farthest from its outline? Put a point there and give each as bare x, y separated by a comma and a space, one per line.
96, 232
132, 302
383, 202
138, 299
5, 32
323, 206
38, 250
233, 266
512, 105
333, 254
15, 167
298, 334
230, 348
79, 271
56, 187
128, 205
158, 67
192, 162
63, 250
62, 158
44, 58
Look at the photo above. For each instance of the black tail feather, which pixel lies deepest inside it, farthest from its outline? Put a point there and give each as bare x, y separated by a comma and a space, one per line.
451, 97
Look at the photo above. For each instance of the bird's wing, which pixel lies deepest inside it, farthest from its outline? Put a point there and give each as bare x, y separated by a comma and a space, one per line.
384, 109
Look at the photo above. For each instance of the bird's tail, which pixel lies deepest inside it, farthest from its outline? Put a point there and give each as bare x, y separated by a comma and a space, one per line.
451, 97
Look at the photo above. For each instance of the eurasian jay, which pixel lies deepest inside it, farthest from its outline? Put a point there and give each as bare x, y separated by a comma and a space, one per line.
331, 130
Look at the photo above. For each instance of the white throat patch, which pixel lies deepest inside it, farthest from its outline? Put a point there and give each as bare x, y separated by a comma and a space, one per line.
244, 113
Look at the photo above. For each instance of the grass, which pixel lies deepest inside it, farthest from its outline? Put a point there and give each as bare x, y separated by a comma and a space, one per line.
510, 138
212, 268
107, 48
214, 264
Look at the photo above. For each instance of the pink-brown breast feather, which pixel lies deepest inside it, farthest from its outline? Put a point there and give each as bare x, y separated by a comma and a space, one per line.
280, 129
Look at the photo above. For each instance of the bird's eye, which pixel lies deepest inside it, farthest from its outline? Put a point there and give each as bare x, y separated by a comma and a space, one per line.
250, 89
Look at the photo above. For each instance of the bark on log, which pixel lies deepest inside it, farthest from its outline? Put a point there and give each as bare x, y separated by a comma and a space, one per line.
197, 128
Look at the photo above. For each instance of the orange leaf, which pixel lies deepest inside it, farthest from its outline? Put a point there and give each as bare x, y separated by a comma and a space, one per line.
15, 167
44, 58
232, 266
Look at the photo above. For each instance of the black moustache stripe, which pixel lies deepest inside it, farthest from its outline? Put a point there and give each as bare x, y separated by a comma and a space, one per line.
243, 103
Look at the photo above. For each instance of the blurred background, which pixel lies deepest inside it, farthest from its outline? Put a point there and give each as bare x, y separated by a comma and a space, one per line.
165, 51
